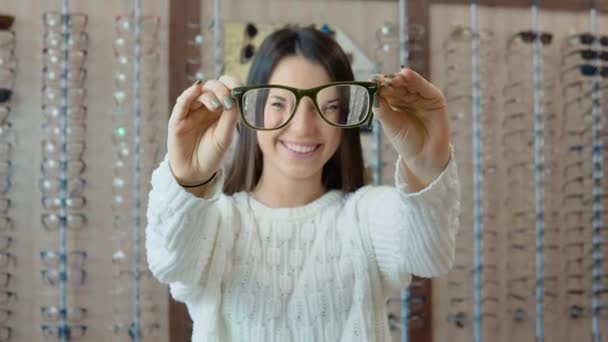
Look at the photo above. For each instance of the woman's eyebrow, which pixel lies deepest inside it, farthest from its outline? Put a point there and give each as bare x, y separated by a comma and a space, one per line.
279, 97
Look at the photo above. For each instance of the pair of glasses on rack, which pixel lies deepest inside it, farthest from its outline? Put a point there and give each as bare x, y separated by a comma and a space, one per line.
529, 37
587, 38
69, 332
586, 70
53, 314
76, 22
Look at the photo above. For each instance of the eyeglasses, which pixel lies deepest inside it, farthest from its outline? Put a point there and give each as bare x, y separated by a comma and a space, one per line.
54, 314
52, 96
5, 95
123, 131
54, 276
5, 333
75, 77
124, 24
6, 258
123, 79
126, 61
5, 110
581, 89
7, 296
5, 204
52, 167
5, 279
581, 167
7, 39
5, 314
129, 329
50, 186
587, 54
5, 242
70, 332
51, 221
52, 148
52, 259
6, 224
124, 46
76, 21
464, 34
53, 40
75, 114
71, 203
461, 319
52, 58
585, 70
416, 303
124, 275
340, 104
415, 321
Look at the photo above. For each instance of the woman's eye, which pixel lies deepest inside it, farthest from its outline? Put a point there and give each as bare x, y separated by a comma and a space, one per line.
278, 105
331, 108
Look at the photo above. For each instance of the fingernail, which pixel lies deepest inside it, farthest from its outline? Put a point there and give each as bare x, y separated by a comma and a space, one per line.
375, 101
198, 82
215, 103
227, 102
386, 84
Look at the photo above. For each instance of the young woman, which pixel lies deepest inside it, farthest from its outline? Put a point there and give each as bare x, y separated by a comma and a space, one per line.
288, 243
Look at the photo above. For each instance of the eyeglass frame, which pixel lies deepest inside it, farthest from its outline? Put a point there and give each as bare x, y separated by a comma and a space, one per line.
372, 89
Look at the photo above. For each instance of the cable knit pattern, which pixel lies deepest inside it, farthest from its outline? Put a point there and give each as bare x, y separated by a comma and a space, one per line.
319, 272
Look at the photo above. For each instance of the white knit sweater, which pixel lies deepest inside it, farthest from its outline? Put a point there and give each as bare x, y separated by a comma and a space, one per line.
319, 272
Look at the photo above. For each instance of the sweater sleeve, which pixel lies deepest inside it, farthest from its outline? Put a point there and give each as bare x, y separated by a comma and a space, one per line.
413, 233
181, 232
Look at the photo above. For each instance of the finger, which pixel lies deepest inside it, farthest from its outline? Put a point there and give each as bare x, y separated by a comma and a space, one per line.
185, 100
229, 118
404, 92
415, 83
210, 101
384, 111
407, 132
221, 92
230, 81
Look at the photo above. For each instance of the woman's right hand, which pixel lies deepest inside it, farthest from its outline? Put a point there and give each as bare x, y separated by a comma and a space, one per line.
201, 128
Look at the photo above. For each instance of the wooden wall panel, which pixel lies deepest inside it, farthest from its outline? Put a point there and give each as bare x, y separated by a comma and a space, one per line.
504, 22
99, 237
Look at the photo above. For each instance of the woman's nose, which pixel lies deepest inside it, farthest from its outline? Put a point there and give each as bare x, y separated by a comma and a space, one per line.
306, 116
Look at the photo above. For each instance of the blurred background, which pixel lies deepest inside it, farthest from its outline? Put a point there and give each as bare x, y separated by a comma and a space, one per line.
86, 88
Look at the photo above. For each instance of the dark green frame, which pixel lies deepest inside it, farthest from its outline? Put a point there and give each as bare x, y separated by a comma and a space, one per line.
371, 87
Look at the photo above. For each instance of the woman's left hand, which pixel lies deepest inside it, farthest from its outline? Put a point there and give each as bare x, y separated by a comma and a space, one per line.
413, 113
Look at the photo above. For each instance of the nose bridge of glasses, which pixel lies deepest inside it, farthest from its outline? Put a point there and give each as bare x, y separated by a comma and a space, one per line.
306, 104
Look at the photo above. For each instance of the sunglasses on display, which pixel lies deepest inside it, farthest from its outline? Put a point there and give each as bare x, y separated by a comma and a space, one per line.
248, 50
6, 21
529, 37
587, 39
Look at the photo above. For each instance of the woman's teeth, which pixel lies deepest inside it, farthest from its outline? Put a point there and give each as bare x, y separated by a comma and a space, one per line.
301, 148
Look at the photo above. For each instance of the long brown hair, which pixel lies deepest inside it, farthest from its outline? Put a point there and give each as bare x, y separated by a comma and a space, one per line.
344, 170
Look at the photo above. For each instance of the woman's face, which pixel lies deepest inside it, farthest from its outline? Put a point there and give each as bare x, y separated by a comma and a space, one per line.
300, 149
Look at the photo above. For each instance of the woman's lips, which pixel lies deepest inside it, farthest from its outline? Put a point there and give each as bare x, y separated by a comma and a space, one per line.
299, 150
